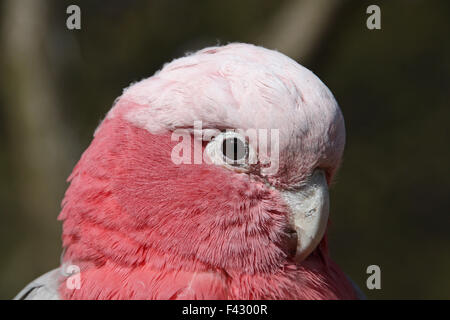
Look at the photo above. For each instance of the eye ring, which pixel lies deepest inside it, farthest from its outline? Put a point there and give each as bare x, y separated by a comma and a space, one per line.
231, 150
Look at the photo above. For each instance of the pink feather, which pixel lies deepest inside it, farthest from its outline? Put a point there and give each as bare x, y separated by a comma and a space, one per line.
142, 227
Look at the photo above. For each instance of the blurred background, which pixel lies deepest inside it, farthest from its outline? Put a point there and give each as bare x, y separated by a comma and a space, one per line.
390, 203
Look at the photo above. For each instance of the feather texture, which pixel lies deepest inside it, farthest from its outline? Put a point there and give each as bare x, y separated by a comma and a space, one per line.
141, 227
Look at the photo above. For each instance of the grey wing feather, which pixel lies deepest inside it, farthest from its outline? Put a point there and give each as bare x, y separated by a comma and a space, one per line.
43, 288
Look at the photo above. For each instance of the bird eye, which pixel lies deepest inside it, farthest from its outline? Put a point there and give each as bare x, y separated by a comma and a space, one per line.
230, 149
234, 150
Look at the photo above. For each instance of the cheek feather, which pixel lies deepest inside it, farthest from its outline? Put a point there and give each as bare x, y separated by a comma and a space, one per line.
149, 204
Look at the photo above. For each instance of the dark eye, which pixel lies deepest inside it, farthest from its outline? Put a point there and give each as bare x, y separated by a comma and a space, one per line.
234, 150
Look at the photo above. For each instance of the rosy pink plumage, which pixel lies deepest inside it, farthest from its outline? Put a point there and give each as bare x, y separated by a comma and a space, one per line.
142, 227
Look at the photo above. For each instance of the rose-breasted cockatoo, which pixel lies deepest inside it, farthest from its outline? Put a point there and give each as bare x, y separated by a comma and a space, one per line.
241, 223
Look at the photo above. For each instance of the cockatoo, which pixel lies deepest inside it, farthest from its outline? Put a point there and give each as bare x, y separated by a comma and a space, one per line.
228, 216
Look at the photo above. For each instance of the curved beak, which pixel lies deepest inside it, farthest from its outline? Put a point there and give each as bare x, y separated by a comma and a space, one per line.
309, 208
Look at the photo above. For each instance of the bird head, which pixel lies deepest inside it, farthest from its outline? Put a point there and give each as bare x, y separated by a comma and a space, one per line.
222, 159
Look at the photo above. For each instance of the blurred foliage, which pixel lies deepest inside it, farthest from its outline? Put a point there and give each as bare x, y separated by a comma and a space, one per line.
390, 202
